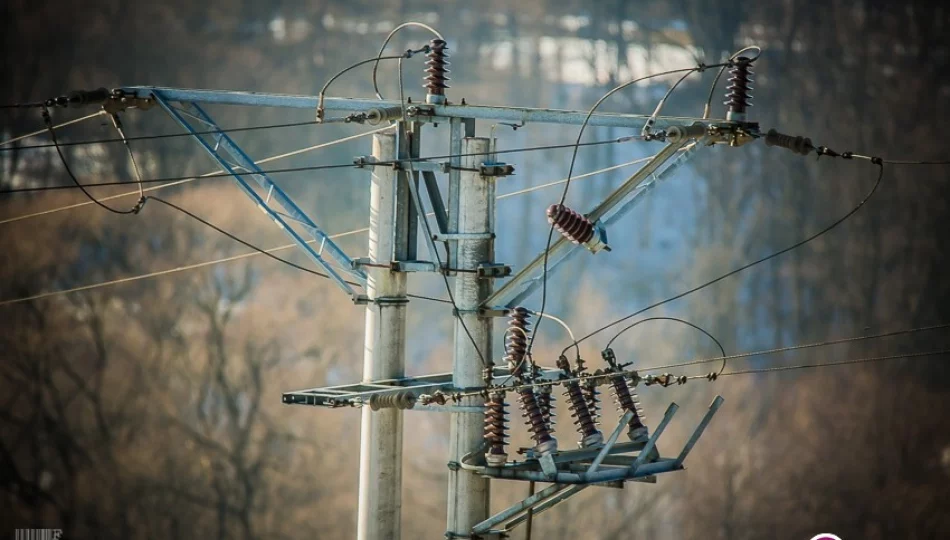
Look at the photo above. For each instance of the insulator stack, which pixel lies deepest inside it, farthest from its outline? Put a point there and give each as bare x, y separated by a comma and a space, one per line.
628, 402
546, 402
576, 228
570, 224
739, 91
592, 398
496, 430
586, 426
516, 344
436, 70
534, 417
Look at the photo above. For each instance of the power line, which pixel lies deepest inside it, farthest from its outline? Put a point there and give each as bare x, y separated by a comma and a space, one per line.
187, 180
681, 321
52, 133
829, 364
796, 245
799, 347
162, 136
307, 167
233, 257
57, 126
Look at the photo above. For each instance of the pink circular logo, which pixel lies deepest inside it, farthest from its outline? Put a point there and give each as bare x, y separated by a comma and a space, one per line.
825, 536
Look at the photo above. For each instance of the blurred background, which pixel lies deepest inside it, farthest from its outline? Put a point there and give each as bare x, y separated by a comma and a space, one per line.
151, 408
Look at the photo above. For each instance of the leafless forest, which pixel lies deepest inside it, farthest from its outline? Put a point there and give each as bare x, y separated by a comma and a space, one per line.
151, 408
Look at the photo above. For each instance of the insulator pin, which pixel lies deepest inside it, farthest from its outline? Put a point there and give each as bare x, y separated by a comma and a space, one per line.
577, 228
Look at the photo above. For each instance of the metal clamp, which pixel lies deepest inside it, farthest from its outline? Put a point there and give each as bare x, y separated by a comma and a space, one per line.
495, 169
493, 270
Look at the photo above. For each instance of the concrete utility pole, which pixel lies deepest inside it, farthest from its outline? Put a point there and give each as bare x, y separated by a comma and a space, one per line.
384, 356
468, 493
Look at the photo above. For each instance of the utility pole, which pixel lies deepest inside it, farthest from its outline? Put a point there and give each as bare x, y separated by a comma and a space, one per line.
468, 501
384, 351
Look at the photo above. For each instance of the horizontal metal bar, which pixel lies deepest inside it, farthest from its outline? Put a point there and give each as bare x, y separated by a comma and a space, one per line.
523, 115
713, 408
647, 469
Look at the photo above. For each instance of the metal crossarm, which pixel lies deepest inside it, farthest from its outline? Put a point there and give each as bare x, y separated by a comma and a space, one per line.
517, 115
232, 158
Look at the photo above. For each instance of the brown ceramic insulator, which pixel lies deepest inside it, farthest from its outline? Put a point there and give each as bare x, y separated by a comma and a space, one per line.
546, 402
626, 401
516, 344
436, 68
739, 91
495, 424
570, 224
534, 417
592, 398
579, 411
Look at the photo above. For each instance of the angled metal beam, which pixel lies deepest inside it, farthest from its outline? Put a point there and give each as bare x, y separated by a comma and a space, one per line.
530, 277
713, 408
293, 212
651, 443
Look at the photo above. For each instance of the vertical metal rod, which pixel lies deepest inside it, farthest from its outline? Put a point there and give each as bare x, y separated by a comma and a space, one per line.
380, 498
468, 496
528, 523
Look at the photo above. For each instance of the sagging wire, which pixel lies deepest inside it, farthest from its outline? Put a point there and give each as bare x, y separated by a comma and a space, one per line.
269, 159
673, 319
746, 266
232, 258
52, 133
223, 174
567, 184
827, 343
603, 377
57, 126
394, 31
152, 137
322, 95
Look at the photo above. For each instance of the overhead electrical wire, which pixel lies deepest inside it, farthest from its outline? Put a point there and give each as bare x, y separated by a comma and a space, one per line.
232, 258
643, 371
222, 174
818, 344
157, 136
190, 179
673, 319
52, 133
746, 266
57, 126
829, 364
570, 172
382, 49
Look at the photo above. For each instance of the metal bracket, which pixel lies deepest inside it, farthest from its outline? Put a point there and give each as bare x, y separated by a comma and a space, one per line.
493, 270
454, 237
496, 169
